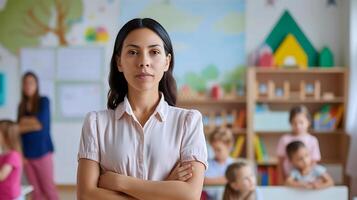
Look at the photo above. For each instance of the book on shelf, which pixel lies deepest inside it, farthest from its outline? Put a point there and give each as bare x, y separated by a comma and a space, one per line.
238, 147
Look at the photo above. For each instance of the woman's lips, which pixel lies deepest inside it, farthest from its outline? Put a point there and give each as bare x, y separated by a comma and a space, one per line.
144, 76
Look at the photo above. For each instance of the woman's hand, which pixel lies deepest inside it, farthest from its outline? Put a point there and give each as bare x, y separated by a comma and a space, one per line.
110, 181
181, 172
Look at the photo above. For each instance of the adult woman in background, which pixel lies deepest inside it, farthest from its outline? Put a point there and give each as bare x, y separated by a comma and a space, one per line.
34, 119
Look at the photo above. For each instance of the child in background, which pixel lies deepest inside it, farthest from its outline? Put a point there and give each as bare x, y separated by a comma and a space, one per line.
10, 161
221, 142
241, 183
305, 173
300, 121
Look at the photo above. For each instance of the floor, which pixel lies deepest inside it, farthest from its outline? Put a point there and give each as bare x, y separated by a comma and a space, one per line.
67, 192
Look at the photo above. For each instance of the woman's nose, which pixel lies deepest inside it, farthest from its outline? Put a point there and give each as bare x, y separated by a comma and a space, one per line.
144, 60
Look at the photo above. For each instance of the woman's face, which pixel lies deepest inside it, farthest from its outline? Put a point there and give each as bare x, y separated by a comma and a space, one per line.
143, 60
29, 86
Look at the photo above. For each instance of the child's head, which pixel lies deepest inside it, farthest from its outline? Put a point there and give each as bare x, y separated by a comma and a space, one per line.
240, 176
221, 141
142, 60
298, 155
9, 135
300, 119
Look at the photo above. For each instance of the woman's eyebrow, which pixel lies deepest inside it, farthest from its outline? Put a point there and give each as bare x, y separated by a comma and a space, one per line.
137, 46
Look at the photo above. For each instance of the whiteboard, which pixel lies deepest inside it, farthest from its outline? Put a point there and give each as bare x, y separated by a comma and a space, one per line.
75, 100
80, 64
41, 61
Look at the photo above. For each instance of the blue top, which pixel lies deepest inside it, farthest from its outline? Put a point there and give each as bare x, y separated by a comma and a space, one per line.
38, 143
316, 172
216, 170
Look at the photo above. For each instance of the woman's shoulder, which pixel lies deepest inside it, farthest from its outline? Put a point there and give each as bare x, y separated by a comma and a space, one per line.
100, 114
185, 111
44, 99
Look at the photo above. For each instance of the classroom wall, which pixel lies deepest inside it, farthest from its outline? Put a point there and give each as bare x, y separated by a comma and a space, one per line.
321, 24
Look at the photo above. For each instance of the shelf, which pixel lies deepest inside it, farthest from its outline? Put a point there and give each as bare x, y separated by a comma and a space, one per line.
235, 131
186, 102
299, 101
317, 70
274, 161
313, 132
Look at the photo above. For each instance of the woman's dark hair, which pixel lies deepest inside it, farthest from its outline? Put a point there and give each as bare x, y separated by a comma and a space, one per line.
117, 82
297, 110
293, 147
35, 100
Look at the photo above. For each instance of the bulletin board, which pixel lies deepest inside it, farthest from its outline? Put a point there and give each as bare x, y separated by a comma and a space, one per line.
72, 78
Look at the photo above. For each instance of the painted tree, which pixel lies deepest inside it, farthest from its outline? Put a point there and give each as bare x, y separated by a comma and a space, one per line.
24, 22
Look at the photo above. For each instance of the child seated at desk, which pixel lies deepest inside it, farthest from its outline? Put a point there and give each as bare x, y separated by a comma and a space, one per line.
305, 173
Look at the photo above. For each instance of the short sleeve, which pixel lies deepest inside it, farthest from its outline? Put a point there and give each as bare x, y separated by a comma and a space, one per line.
193, 142
315, 149
319, 170
280, 149
13, 159
89, 147
295, 174
44, 112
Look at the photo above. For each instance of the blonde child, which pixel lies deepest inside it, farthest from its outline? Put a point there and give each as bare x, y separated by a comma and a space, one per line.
305, 173
10, 161
241, 183
300, 121
221, 141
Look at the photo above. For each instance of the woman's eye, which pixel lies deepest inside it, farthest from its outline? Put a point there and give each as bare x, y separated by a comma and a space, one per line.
132, 52
155, 52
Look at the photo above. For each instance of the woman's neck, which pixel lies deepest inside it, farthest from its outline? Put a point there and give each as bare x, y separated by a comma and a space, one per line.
143, 104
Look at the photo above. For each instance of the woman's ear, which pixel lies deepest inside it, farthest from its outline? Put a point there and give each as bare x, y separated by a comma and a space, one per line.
118, 63
168, 61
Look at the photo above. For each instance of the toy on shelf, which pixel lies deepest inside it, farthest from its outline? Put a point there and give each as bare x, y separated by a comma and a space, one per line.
326, 58
287, 25
235, 119
186, 93
310, 90
265, 57
290, 54
328, 118
328, 96
276, 92
216, 92
262, 89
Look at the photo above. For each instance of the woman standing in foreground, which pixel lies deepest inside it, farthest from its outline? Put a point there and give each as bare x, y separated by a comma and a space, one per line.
130, 150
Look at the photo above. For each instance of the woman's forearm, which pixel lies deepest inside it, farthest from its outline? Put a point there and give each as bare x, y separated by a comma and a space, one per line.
99, 193
157, 190
29, 124
215, 181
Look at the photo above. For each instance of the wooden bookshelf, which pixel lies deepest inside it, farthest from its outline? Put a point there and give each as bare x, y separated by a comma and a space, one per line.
334, 143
